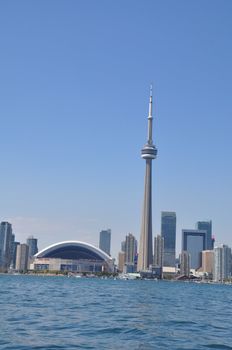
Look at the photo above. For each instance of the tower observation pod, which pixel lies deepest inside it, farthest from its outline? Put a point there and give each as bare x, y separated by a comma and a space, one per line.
148, 152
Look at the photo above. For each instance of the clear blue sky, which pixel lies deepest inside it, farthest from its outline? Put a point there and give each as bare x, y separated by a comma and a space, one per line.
74, 86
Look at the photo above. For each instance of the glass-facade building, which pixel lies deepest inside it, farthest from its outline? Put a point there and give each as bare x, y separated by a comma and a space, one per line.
206, 226
105, 241
33, 246
222, 263
5, 245
194, 242
168, 232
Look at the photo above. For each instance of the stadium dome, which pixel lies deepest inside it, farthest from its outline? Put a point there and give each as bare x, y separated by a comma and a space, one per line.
73, 256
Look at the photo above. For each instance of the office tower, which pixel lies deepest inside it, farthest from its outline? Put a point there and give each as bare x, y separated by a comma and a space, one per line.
168, 232
123, 246
22, 257
130, 249
13, 254
149, 152
158, 251
185, 263
5, 245
121, 261
104, 241
33, 246
206, 226
222, 263
207, 261
194, 242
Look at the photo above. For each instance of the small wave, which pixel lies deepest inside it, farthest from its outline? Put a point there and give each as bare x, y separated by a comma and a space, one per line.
218, 346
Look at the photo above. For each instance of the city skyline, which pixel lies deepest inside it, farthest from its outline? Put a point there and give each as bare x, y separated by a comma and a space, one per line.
65, 178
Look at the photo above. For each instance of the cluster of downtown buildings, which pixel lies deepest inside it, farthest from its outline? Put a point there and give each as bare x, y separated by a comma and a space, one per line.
13, 254
155, 258
198, 257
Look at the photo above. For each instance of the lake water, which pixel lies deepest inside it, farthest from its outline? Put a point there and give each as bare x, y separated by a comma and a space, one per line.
71, 313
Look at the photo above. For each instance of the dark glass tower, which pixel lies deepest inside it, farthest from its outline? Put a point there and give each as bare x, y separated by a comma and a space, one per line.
5, 245
194, 242
206, 226
105, 240
168, 232
33, 246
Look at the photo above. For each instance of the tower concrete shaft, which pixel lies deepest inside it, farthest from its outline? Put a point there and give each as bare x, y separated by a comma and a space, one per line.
149, 152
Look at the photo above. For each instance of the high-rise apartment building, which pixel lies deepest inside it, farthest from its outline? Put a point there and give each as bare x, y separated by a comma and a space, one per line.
33, 246
208, 261
206, 226
185, 263
105, 240
158, 251
168, 232
5, 245
121, 261
194, 242
149, 152
222, 263
22, 257
130, 249
13, 254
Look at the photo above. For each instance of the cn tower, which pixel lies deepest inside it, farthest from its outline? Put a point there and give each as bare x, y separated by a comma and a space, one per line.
148, 152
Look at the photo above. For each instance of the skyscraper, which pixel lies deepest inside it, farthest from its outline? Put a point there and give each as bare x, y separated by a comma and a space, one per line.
208, 261
33, 246
149, 152
222, 263
130, 249
22, 257
123, 246
121, 261
184, 263
194, 242
168, 232
5, 245
207, 226
104, 241
158, 251
130, 253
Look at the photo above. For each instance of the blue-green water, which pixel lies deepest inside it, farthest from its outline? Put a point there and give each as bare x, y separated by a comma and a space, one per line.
70, 313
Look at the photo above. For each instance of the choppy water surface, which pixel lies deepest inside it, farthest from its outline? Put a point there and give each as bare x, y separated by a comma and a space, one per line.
70, 313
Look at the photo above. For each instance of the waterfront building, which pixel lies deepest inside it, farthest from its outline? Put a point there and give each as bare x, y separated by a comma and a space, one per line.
194, 242
222, 263
74, 256
33, 246
168, 232
105, 240
13, 254
184, 263
130, 248
158, 251
22, 257
149, 152
13, 248
5, 245
121, 261
206, 226
130, 253
207, 261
